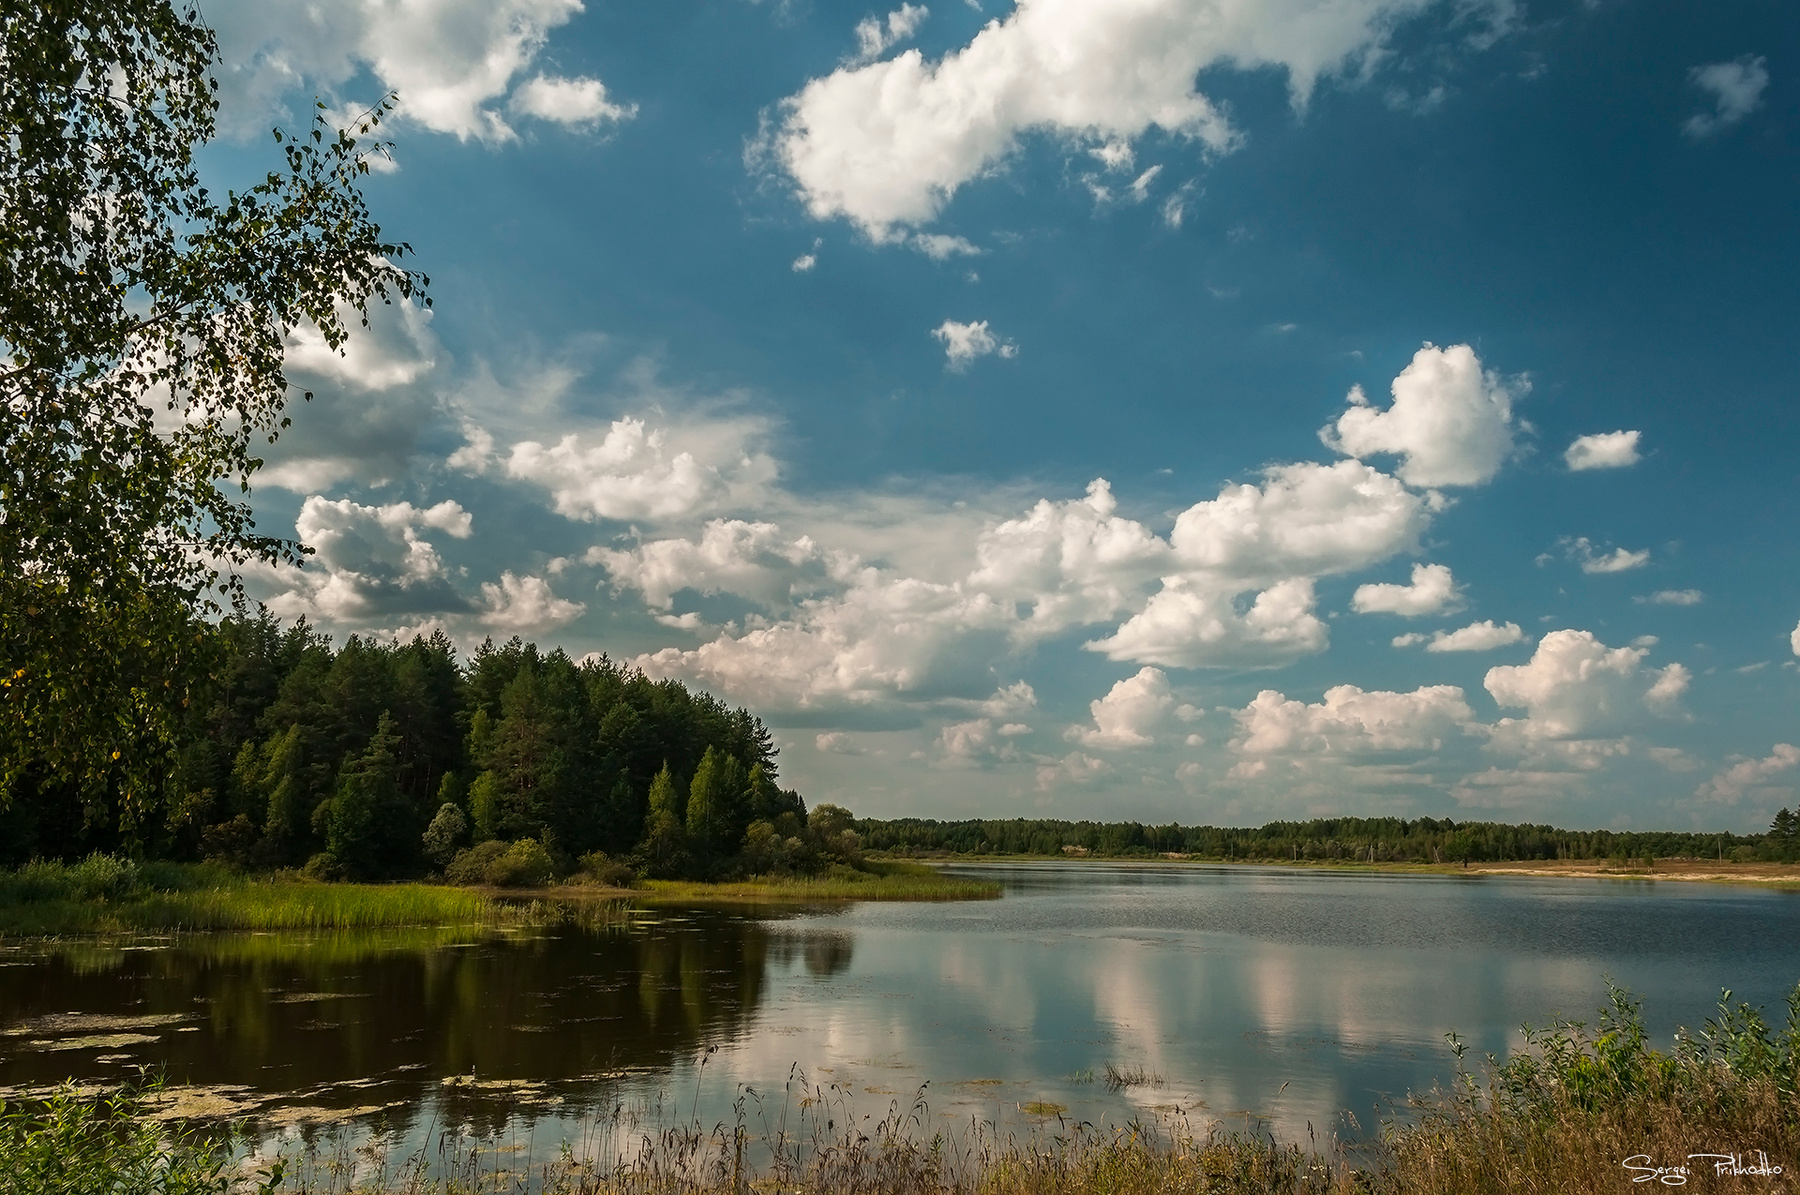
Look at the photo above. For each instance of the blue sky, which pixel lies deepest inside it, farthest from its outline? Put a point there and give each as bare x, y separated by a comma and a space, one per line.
1185, 409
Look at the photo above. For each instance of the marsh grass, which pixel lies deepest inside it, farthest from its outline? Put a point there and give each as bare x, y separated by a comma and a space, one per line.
104, 895
1119, 1078
884, 880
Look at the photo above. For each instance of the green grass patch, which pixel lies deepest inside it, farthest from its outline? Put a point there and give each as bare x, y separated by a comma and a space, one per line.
882, 880
103, 895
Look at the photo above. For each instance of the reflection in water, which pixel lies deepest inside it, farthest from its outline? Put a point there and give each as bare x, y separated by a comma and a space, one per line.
1286, 996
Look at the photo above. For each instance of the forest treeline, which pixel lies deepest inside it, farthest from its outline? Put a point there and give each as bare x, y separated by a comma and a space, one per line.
385, 760
1379, 840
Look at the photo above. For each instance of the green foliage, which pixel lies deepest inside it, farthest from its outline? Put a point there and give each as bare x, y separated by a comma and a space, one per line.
447, 828
143, 323
1348, 839
521, 864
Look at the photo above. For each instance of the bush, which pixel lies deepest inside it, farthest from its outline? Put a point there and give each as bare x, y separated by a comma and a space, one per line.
523, 864
597, 866
444, 832
470, 866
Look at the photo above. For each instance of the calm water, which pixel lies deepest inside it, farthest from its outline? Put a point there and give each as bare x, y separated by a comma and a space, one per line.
1290, 996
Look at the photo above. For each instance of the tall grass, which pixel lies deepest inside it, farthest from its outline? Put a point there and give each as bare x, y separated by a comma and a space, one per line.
102, 894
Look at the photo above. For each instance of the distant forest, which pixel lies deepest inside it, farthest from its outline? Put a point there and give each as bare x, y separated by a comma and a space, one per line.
387, 760
1379, 840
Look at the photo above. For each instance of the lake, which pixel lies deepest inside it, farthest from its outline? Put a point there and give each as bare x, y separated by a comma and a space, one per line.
1289, 997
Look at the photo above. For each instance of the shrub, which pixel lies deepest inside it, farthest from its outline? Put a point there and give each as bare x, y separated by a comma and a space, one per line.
447, 829
470, 866
523, 864
597, 866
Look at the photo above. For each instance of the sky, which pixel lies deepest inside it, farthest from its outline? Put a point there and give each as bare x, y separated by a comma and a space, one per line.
1200, 410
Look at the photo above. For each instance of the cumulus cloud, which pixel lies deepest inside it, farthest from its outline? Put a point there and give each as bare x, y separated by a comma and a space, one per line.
1132, 713
874, 38
636, 471
452, 62
1432, 591
574, 102
1736, 88
1748, 776
1619, 560
976, 743
885, 144
1075, 768
1574, 686
371, 401
1477, 636
752, 560
1671, 597
1794, 639
1187, 627
836, 742
1351, 721
525, 605
1304, 519
963, 343
1071, 562
941, 247
371, 562
1450, 421
1602, 450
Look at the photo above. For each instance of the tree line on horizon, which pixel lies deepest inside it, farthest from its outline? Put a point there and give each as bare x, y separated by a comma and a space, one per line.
1377, 840
389, 760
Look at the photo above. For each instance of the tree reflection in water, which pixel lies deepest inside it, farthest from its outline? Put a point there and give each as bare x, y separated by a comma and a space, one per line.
351, 1020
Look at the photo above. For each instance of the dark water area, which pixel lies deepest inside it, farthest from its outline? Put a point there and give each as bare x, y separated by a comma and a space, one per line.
1282, 997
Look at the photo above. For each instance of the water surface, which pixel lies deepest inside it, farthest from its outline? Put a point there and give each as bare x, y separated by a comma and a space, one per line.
1284, 996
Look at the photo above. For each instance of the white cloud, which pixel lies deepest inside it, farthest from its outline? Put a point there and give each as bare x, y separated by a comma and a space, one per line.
1619, 560
1131, 714
452, 62
1603, 450
636, 471
963, 343
1351, 721
836, 742
941, 247
1477, 636
569, 101
1736, 88
873, 38
753, 560
1671, 597
805, 262
977, 742
1075, 768
1140, 186
1304, 519
1186, 627
371, 562
1574, 686
1450, 420
883, 638
526, 605
372, 399
1432, 591
1732, 784
1074, 562
1794, 639
886, 144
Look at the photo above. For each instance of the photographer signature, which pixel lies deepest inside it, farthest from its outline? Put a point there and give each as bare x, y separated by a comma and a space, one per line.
1642, 1170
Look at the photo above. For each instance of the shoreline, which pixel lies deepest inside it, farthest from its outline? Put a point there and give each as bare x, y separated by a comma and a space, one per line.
1776, 876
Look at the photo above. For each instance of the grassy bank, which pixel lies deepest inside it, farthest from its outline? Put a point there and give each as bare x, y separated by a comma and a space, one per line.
884, 880
1577, 1110
103, 895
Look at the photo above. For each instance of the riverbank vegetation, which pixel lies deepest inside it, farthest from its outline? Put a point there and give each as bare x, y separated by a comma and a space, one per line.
383, 761
1579, 1108
1343, 839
